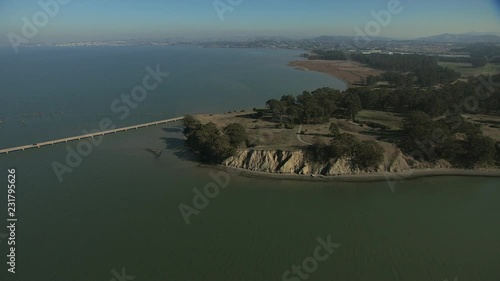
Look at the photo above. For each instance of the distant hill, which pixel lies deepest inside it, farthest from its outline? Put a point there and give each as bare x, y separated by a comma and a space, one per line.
462, 38
336, 39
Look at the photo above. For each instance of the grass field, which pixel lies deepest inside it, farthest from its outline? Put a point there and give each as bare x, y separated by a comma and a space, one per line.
490, 124
261, 132
265, 135
388, 119
466, 69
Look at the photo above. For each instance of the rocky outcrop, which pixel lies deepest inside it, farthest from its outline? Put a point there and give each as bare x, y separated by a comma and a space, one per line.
295, 162
285, 162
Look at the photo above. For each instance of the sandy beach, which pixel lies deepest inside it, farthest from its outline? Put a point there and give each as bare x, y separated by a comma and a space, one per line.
348, 71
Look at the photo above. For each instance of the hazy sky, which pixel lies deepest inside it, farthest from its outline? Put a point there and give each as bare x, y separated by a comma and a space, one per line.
115, 19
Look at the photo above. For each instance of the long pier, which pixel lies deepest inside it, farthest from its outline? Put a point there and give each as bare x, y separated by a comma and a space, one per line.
102, 133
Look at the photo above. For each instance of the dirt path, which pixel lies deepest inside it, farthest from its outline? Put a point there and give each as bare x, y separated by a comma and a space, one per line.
299, 131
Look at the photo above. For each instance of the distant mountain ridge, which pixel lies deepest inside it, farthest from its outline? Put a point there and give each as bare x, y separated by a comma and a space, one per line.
334, 39
471, 37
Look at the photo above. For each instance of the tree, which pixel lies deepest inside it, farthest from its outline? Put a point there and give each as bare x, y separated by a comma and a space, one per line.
371, 80
480, 150
293, 112
478, 62
208, 142
368, 97
418, 124
418, 138
220, 149
368, 154
469, 129
237, 134
353, 105
191, 124
452, 150
288, 100
318, 151
344, 145
276, 107
434, 106
334, 129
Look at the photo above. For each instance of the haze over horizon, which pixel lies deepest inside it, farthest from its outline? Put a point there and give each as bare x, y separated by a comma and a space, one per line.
80, 20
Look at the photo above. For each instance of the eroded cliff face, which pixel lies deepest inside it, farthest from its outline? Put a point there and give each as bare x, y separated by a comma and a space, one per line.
295, 162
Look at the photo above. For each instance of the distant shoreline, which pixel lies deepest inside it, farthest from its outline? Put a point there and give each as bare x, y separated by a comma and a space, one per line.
347, 71
363, 177
302, 68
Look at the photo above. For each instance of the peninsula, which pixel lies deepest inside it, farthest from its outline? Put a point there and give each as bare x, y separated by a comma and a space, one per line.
416, 119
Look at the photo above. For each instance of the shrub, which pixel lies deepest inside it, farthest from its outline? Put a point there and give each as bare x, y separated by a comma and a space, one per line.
368, 154
480, 150
334, 130
236, 133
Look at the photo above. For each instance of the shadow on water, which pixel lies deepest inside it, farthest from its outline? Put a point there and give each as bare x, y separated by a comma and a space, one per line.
176, 144
173, 130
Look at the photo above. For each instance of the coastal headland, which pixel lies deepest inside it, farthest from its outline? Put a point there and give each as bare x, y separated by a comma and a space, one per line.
400, 113
279, 153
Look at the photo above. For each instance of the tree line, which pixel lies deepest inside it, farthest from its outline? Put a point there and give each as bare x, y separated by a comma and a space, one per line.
489, 51
451, 138
424, 70
315, 107
433, 127
363, 155
476, 95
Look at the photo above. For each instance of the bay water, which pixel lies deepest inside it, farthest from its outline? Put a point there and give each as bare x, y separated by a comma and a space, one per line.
118, 210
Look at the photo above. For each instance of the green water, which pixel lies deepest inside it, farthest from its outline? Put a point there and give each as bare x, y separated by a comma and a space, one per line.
119, 209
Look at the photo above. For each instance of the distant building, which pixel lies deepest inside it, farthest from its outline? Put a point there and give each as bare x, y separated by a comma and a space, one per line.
454, 56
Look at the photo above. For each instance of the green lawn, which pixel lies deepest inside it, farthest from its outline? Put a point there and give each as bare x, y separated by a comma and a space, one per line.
466, 69
388, 119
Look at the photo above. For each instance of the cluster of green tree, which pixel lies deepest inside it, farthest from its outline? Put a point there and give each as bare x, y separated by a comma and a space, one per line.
474, 61
315, 107
212, 145
397, 62
395, 79
330, 55
477, 95
478, 62
424, 68
364, 155
451, 138
481, 50
495, 78
455, 59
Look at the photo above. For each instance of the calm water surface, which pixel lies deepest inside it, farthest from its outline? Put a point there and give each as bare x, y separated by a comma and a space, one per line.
50, 93
120, 207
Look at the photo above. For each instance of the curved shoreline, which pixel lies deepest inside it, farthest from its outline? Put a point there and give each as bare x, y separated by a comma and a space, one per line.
363, 177
349, 72
302, 68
